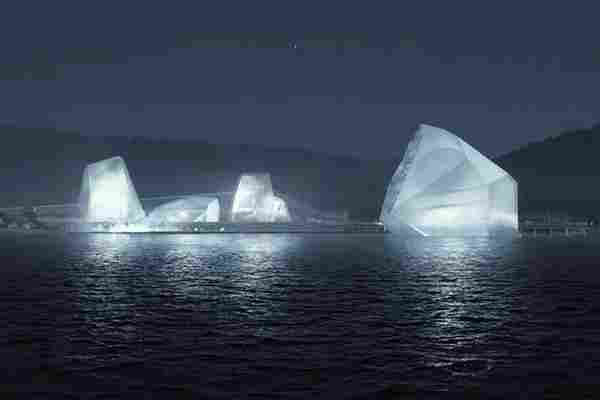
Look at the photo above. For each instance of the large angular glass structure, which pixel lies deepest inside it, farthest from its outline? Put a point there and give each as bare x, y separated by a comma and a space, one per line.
254, 201
108, 195
444, 187
186, 210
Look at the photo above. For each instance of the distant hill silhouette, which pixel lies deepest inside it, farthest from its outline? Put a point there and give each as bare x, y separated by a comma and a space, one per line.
560, 174
44, 166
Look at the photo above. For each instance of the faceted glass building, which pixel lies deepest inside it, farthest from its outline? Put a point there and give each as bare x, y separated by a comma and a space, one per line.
444, 187
107, 193
254, 201
186, 210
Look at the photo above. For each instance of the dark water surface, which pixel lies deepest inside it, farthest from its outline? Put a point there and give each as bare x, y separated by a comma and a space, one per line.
298, 316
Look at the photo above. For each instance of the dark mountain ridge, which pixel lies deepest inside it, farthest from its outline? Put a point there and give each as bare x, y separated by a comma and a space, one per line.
558, 174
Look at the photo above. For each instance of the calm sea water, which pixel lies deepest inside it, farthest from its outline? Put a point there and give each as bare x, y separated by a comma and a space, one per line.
298, 316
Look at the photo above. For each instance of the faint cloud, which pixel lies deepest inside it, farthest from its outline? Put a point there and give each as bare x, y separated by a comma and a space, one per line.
28, 72
408, 40
89, 56
571, 124
596, 56
45, 65
223, 40
336, 41
136, 108
38, 67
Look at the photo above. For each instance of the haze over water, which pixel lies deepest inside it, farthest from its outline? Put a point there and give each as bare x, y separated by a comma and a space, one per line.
298, 316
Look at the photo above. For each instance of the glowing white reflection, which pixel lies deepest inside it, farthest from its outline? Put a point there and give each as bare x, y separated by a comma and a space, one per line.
108, 200
130, 228
254, 201
107, 193
186, 210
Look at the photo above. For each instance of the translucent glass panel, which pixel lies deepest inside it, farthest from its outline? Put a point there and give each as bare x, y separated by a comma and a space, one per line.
444, 186
254, 201
107, 193
275, 210
189, 209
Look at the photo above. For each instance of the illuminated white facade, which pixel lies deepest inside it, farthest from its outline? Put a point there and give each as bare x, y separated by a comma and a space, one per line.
107, 193
254, 201
186, 210
444, 187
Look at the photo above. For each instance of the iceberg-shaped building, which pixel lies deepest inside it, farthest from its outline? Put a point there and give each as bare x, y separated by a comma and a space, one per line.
108, 195
186, 210
444, 187
254, 201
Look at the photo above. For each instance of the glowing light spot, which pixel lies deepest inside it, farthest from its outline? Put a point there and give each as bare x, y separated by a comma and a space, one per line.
107, 193
445, 187
254, 201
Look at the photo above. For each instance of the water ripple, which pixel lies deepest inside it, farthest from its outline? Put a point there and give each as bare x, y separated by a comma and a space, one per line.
297, 316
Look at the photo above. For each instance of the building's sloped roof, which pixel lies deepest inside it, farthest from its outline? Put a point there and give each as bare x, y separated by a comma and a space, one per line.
443, 180
108, 194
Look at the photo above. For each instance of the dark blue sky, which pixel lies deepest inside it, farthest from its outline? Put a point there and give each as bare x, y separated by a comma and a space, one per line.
358, 82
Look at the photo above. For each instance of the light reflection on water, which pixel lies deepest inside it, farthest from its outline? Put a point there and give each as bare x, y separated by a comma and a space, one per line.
361, 310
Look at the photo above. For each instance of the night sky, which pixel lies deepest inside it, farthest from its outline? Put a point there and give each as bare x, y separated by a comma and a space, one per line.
337, 79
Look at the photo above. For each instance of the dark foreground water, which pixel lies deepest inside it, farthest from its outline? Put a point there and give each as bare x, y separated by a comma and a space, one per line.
298, 316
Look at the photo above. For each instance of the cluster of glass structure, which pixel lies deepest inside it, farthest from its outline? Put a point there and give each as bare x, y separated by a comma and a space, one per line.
254, 201
444, 187
108, 196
